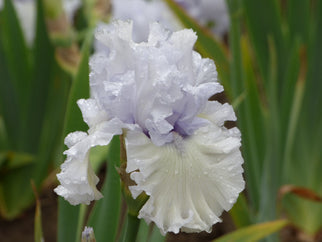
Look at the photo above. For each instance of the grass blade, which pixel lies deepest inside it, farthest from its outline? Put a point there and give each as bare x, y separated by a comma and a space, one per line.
68, 215
105, 216
241, 213
42, 69
254, 232
17, 62
9, 96
263, 19
298, 13
37, 224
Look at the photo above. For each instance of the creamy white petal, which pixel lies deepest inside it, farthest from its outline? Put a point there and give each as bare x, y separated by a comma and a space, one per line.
190, 181
77, 178
78, 182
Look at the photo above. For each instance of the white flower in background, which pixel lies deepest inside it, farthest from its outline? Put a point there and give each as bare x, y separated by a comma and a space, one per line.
209, 12
27, 13
179, 152
143, 12
70, 7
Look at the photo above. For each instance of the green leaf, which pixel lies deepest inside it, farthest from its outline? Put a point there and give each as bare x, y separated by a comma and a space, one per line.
251, 116
105, 216
156, 236
144, 231
241, 213
237, 75
18, 63
68, 216
50, 145
304, 214
4, 141
295, 58
3, 158
149, 233
15, 191
263, 19
12, 160
8, 95
293, 122
98, 156
43, 68
81, 221
254, 232
131, 228
206, 44
314, 84
38, 224
298, 12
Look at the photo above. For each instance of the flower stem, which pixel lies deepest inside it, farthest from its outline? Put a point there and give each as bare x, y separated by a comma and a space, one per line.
131, 229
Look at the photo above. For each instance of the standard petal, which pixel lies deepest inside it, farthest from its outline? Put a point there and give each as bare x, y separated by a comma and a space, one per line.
218, 113
121, 29
93, 114
162, 85
190, 181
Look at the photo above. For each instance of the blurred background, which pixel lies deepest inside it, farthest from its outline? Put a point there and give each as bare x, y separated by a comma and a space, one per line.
269, 59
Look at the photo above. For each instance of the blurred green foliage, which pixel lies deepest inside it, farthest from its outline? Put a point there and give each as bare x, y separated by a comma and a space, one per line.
271, 68
34, 90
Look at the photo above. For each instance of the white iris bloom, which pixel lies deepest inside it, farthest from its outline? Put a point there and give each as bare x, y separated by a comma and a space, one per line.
179, 152
211, 13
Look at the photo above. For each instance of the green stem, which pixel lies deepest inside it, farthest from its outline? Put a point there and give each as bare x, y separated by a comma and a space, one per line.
131, 228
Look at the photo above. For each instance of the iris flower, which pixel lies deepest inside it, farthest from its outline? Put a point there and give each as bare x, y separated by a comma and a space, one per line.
156, 93
210, 13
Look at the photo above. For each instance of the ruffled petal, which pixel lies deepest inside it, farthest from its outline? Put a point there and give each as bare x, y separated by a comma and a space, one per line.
77, 178
218, 113
190, 181
162, 84
93, 114
78, 182
121, 29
